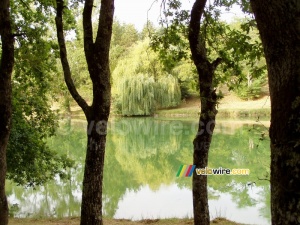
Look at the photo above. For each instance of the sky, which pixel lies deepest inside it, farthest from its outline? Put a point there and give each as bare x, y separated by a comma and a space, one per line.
135, 11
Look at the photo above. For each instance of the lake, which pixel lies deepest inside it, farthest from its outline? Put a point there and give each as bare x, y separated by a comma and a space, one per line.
143, 156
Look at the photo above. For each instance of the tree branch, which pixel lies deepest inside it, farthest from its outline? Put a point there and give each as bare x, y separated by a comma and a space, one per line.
88, 29
148, 21
64, 59
194, 29
216, 62
26, 5
104, 26
18, 34
99, 63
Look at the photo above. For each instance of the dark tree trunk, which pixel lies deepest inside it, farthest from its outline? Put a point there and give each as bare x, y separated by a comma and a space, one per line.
97, 58
201, 147
91, 207
278, 22
208, 97
6, 68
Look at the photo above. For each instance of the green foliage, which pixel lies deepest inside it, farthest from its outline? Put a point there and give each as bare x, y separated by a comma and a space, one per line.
243, 57
141, 95
167, 92
140, 58
171, 41
251, 90
140, 84
80, 75
29, 160
147, 30
246, 73
123, 37
237, 44
187, 77
137, 94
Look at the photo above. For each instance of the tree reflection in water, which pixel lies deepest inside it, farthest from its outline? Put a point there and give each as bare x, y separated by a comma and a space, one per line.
146, 153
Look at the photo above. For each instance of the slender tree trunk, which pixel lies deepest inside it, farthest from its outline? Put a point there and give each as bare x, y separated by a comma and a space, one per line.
97, 58
201, 147
278, 22
208, 99
6, 67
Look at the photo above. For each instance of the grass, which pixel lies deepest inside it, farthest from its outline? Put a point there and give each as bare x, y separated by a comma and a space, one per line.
244, 113
178, 112
223, 113
76, 221
229, 107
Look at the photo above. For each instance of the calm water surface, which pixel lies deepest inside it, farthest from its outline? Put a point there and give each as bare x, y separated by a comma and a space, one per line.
142, 158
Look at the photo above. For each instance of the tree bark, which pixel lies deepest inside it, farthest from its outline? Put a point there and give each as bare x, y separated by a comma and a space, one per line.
278, 22
208, 99
6, 68
97, 58
91, 207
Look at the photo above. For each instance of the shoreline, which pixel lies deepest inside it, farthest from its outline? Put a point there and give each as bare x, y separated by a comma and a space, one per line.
230, 107
76, 221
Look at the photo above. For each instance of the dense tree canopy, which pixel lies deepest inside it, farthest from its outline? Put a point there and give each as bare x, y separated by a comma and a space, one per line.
243, 67
32, 119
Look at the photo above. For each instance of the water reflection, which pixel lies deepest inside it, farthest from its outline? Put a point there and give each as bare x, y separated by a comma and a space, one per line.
142, 159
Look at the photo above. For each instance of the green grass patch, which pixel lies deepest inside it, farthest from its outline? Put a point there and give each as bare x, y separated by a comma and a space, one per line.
262, 113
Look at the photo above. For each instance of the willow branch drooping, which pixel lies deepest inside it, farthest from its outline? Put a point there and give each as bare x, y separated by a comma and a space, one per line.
141, 95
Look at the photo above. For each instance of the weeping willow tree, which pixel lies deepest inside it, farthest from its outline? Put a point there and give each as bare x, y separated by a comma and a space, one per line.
137, 95
167, 92
140, 95
140, 83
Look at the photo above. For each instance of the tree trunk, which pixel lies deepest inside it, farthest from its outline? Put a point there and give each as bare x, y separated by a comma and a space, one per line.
6, 67
91, 207
278, 22
208, 99
97, 58
201, 147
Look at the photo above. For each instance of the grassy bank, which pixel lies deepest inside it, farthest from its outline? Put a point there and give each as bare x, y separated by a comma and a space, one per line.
229, 107
222, 113
76, 221
262, 113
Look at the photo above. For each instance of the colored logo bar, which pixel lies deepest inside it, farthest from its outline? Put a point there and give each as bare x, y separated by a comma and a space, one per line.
185, 170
